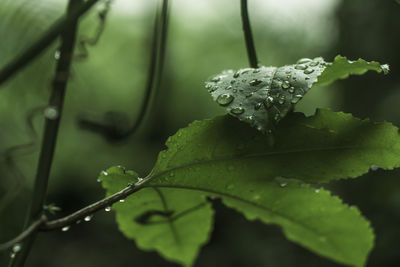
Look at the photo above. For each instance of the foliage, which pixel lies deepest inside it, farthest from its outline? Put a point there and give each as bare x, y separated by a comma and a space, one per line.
263, 96
265, 177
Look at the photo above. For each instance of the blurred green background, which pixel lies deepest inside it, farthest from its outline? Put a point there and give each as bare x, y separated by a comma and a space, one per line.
205, 37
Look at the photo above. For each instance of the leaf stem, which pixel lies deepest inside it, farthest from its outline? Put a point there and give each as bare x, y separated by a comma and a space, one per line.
251, 50
40, 45
50, 132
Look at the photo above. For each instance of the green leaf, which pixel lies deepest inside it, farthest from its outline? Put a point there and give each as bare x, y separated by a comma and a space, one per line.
324, 147
263, 176
263, 96
173, 222
342, 68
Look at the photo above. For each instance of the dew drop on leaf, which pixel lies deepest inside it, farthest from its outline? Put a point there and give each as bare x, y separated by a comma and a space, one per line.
258, 106
300, 67
268, 102
225, 99
285, 84
296, 99
122, 200
282, 100
216, 79
291, 90
65, 228
88, 218
303, 60
374, 167
308, 71
317, 190
314, 63
237, 111
255, 82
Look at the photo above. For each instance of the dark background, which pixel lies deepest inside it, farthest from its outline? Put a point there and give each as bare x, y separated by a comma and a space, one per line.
205, 38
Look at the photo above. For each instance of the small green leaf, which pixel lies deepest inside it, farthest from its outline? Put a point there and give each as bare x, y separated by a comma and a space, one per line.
263, 96
342, 68
173, 222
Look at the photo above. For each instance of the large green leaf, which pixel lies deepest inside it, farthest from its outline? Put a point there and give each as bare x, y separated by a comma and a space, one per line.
173, 222
263, 96
260, 176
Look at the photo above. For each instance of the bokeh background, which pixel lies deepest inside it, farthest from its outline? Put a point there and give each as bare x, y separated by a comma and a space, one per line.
205, 37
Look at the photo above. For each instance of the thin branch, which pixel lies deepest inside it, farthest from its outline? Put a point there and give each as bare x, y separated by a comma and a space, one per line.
52, 123
22, 236
40, 45
251, 50
156, 63
89, 210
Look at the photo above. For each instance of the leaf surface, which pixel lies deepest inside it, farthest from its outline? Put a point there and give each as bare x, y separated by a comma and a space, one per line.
263, 96
173, 222
265, 177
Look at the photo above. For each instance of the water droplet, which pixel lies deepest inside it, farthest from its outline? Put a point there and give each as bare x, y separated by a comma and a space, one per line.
296, 99
285, 84
308, 71
78, 221
283, 184
249, 94
282, 100
233, 81
268, 102
88, 218
104, 173
249, 119
256, 71
51, 113
65, 228
122, 200
255, 82
374, 167
385, 68
12, 255
236, 74
314, 63
300, 67
234, 90
16, 248
208, 86
237, 111
317, 190
230, 186
307, 78
258, 106
291, 90
57, 55
216, 79
98, 180
303, 60
107, 208
277, 117
225, 99
228, 88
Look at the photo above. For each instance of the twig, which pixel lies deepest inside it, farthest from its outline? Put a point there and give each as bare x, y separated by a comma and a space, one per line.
51, 131
251, 50
37, 48
21, 237
89, 210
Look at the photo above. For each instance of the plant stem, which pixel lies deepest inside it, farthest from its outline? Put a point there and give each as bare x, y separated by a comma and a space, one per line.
51, 131
156, 62
251, 50
89, 210
36, 48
